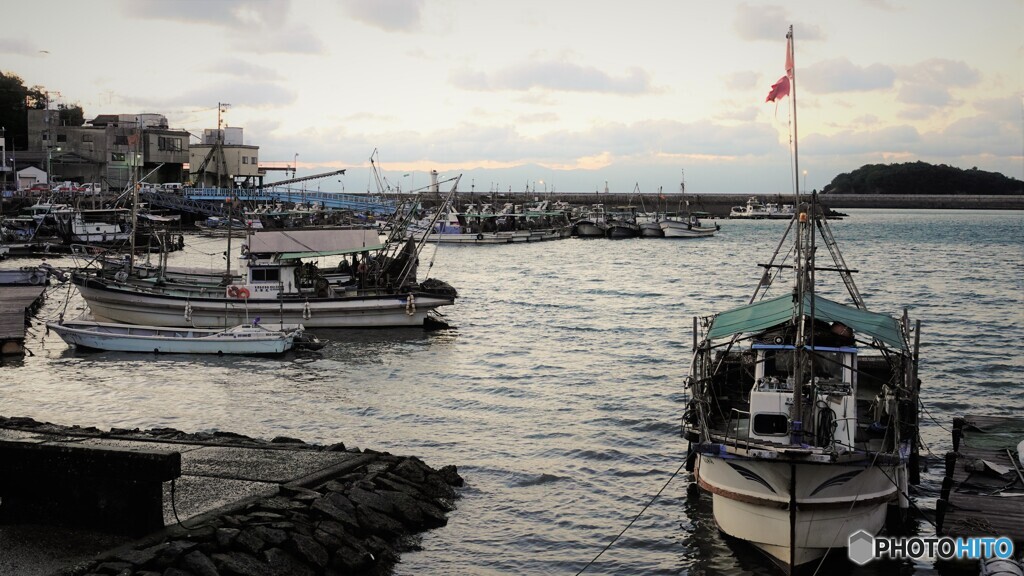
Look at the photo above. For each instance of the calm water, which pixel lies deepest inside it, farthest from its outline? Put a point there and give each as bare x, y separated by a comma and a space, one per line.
558, 396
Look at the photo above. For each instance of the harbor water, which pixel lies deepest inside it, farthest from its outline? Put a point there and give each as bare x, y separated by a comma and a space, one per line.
559, 392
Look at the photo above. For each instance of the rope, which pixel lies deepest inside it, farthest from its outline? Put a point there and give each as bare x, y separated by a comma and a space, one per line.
637, 517
174, 508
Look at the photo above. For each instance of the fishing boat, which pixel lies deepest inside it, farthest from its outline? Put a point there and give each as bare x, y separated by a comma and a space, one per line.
754, 209
250, 339
687, 225
279, 279
593, 224
802, 421
485, 225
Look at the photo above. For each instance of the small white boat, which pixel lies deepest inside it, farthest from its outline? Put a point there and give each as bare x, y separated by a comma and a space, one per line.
242, 339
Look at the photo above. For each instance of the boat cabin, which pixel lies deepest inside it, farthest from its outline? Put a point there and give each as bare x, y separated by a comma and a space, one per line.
833, 372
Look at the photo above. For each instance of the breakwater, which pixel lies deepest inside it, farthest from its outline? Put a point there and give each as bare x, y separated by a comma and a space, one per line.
718, 205
353, 517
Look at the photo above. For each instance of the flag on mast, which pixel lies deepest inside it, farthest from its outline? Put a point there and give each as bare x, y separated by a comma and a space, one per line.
781, 88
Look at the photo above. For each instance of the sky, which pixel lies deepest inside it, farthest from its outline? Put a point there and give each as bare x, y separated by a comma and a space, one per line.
550, 95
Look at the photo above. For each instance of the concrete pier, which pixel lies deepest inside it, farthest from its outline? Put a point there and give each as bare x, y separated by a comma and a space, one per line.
16, 304
240, 506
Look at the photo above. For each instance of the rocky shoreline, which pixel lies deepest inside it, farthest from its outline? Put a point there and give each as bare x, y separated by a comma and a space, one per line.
354, 520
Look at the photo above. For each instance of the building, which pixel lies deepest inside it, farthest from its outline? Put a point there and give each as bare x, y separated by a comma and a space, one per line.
112, 149
223, 160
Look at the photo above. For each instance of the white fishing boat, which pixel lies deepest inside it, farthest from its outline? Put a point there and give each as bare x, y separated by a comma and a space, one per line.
593, 224
686, 225
279, 281
243, 339
754, 209
802, 420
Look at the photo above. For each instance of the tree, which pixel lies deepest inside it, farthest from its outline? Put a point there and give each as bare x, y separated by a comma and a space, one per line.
71, 115
13, 116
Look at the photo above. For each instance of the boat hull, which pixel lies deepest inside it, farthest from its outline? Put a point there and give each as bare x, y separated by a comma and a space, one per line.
751, 501
124, 338
589, 230
137, 305
675, 229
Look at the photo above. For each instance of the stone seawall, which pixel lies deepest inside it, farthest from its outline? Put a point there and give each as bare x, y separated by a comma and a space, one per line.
353, 518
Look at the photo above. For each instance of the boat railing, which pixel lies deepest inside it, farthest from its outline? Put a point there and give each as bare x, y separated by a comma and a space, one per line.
734, 420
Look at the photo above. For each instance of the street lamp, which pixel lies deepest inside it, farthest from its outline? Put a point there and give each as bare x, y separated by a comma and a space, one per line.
805, 181
295, 164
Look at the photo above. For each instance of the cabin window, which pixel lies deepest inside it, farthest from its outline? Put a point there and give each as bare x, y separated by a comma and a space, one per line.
266, 275
117, 156
828, 365
771, 424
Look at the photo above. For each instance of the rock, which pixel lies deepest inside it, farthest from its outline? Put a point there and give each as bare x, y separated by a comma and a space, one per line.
299, 493
172, 571
240, 563
371, 499
339, 447
226, 536
284, 563
410, 470
450, 474
331, 534
280, 504
378, 523
338, 507
285, 440
248, 540
199, 564
114, 568
272, 536
308, 549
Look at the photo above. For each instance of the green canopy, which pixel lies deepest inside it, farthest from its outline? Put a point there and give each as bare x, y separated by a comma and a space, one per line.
768, 313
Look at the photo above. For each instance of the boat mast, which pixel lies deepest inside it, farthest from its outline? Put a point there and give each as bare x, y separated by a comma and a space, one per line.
803, 286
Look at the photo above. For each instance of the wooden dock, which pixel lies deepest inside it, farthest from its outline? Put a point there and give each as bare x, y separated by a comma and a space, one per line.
975, 499
16, 304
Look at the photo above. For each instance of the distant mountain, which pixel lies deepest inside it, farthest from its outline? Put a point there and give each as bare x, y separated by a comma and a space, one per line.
922, 178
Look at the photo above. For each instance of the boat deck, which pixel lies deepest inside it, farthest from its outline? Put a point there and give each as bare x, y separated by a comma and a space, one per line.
15, 301
975, 500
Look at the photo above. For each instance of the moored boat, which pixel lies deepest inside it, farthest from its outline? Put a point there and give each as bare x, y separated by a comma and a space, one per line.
243, 339
379, 289
686, 225
803, 417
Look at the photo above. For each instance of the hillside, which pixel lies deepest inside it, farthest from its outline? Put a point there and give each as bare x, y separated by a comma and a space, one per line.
922, 178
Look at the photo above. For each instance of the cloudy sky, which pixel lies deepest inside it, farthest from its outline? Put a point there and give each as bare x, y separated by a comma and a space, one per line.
563, 95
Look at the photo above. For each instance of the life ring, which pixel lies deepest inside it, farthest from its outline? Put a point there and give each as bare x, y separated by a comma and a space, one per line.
233, 291
36, 278
479, 236
243, 293
362, 268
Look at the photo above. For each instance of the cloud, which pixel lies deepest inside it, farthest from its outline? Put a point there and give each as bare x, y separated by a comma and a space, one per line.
259, 27
388, 15
239, 68
890, 139
252, 94
297, 39
21, 47
926, 85
771, 23
551, 75
742, 81
227, 13
841, 75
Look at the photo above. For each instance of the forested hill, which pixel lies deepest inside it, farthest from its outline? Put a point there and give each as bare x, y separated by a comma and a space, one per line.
922, 178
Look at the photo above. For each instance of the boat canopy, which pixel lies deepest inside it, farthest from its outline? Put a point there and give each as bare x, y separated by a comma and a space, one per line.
312, 243
768, 313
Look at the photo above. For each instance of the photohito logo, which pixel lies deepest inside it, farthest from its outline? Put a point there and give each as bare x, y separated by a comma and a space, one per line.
862, 547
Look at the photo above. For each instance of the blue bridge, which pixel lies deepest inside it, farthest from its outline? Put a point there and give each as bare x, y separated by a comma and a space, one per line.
210, 201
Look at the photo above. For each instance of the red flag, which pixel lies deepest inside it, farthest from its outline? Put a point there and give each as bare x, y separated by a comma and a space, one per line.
779, 89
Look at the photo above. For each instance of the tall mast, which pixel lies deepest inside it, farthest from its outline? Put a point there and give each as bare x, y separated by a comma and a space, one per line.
791, 71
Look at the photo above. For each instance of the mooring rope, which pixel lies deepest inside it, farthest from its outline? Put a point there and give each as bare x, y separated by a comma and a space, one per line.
609, 545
